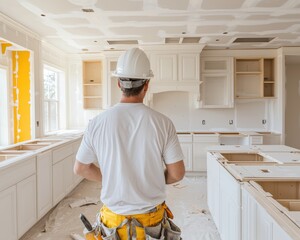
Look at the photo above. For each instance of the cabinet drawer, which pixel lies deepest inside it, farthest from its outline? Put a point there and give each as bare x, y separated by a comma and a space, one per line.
255, 140
61, 153
209, 138
185, 138
16, 173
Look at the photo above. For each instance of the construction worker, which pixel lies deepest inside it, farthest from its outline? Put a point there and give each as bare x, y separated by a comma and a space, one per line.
137, 150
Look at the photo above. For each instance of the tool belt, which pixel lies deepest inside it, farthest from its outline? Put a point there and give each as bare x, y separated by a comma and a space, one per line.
165, 230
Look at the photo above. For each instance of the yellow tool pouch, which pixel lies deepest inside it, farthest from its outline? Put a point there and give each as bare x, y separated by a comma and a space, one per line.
163, 230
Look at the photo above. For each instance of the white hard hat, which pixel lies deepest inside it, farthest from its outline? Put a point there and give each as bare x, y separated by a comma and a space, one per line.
133, 64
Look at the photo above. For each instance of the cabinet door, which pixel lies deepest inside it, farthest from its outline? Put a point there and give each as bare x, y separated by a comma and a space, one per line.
58, 183
187, 152
188, 68
200, 144
8, 212
44, 183
166, 68
68, 173
257, 223
230, 206
26, 204
114, 93
213, 187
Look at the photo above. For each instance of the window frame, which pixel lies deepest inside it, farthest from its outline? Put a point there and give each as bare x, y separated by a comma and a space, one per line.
60, 101
6, 123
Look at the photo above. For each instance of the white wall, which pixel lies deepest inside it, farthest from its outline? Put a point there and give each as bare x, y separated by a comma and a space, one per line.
247, 115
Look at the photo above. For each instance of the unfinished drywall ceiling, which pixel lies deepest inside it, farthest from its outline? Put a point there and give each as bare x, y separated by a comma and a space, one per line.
73, 25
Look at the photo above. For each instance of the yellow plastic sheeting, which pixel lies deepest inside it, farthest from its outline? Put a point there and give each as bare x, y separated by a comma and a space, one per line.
21, 95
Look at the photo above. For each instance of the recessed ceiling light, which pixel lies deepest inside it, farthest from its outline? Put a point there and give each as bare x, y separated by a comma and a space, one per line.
43, 15
225, 32
95, 41
84, 49
183, 32
217, 40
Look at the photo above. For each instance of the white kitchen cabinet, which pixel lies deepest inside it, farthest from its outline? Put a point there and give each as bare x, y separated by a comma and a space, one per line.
230, 206
166, 68
217, 82
114, 93
62, 171
8, 212
44, 183
26, 204
175, 71
213, 187
68, 173
260, 224
58, 182
200, 144
186, 143
76, 178
188, 67
18, 198
62, 178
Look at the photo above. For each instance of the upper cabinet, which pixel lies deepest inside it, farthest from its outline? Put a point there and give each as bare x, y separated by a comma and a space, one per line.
175, 71
254, 78
217, 86
92, 85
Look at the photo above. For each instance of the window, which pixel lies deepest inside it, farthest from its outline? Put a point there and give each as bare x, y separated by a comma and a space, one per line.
4, 109
54, 108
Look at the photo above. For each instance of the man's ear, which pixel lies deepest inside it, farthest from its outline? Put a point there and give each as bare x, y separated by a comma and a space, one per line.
146, 85
119, 83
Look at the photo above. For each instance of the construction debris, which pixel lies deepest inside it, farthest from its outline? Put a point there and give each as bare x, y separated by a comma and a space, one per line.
84, 202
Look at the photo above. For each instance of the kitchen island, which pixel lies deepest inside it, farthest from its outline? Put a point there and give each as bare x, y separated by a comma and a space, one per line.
253, 191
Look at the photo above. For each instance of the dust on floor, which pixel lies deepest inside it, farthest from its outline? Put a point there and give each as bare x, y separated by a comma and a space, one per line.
187, 200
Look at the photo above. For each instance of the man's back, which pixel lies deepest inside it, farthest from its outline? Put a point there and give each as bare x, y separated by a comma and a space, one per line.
131, 141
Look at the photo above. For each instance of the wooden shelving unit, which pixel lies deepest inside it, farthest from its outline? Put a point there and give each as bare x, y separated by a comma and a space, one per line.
92, 85
254, 78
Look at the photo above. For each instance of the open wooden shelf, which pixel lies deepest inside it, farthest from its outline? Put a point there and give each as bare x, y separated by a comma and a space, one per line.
92, 85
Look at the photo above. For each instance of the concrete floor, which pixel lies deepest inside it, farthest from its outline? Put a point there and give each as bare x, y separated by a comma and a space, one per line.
186, 199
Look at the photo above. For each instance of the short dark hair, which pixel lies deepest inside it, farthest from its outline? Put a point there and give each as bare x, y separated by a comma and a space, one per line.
130, 92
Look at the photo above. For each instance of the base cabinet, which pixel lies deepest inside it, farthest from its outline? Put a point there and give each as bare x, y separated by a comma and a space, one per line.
26, 204
44, 183
200, 145
186, 146
257, 223
230, 207
62, 179
213, 188
8, 210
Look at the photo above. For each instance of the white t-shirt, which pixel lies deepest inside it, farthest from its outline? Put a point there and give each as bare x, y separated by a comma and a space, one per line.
131, 141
